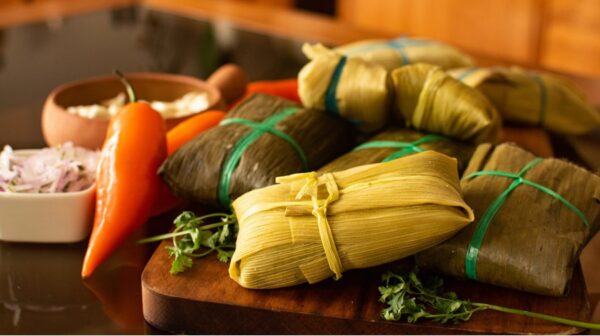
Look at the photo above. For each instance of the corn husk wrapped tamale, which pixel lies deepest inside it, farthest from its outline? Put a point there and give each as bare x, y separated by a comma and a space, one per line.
534, 98
394, 53
529, 232
428, 99
349, 87
262, 138
394, 143
308, 227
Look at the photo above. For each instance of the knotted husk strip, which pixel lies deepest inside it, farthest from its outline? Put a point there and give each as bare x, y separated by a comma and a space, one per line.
534, 98
375, 213
392, 54
458, 150
193, 171
534, 241
362, 93
428, 99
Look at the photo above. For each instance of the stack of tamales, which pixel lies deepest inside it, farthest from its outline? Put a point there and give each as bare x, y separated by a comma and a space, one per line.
394, 53
308, 227
533, 98
534, 216
262, 138
395, 143
420, 96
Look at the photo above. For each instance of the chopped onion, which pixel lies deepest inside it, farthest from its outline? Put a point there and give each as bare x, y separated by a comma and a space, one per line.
64, 168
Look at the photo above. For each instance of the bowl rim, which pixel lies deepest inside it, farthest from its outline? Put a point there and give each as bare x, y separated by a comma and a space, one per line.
64, 194
212, 90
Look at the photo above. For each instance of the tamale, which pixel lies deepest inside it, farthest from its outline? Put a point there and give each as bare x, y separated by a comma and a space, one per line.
394, 143
350, 87
308, 227
428, 99
261, 138
394, 53
534, 216
534, 98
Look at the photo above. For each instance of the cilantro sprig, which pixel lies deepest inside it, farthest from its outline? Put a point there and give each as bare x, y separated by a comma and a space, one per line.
408, 296
196, 237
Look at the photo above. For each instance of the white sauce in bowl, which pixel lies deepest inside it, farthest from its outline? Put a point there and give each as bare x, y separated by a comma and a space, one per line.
190, 103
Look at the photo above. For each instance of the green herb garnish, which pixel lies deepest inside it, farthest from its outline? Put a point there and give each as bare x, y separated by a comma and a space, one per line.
408, 296
194, 237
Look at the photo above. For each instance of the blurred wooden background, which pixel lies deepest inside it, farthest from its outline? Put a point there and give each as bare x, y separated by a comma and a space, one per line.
560, 35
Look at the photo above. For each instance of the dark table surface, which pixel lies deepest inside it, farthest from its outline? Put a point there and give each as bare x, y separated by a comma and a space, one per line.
40, 286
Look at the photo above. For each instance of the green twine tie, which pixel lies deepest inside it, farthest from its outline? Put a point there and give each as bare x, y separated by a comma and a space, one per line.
543, 98
407, 147
466, 73
330, 99
490, 213
398, 44
259, 128
401, 43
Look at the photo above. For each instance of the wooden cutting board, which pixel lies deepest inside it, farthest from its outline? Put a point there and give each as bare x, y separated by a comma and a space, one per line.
205, 300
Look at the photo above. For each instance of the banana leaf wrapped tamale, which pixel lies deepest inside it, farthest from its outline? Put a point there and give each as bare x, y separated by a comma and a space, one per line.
394, 53
428, 99
395, 143
534, 98
534, 216
350, 87
262, 138
308, 227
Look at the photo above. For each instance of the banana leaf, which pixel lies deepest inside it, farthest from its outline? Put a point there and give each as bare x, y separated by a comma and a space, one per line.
262, 138
394, 143
534, 216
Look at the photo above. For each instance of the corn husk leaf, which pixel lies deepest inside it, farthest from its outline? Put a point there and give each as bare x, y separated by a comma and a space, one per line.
458, 150
394, 53
428, 99
384, 212
362, 94
193, 172
534, 98
534, 241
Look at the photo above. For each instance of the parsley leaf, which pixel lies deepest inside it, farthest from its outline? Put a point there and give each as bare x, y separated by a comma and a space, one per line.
406, 295
195, 237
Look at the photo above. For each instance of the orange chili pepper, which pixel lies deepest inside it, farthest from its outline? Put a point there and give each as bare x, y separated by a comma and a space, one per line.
177, 137
127, 183
188, 129
284, 88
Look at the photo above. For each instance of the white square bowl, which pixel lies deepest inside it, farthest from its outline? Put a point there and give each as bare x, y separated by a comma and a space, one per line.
64, 217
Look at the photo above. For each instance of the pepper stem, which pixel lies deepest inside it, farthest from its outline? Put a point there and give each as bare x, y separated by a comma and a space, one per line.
130, 92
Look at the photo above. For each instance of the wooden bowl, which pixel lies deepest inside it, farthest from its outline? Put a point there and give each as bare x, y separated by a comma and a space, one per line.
59, 126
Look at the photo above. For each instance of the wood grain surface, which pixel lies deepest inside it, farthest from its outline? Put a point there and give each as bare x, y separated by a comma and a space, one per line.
503, 28
571, 37
205, 300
